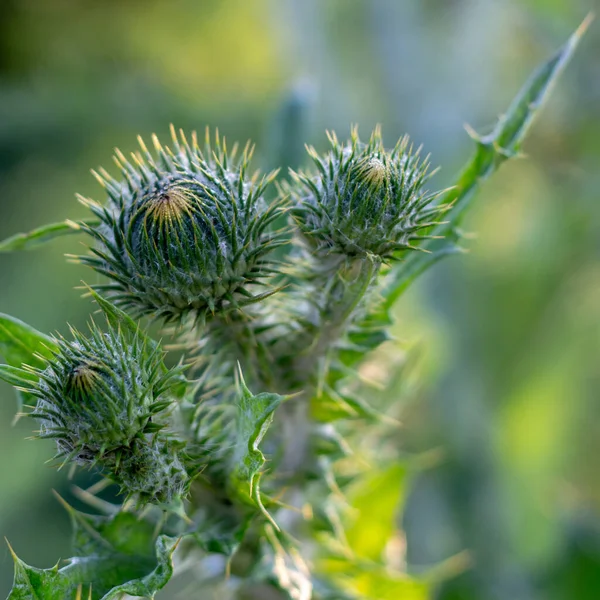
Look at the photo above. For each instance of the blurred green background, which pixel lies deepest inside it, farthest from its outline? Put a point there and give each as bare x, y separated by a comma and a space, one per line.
508, 336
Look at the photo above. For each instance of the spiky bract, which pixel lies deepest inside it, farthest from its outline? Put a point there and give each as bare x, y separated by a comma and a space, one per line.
186, 231
103, 399
363, 200
153, 471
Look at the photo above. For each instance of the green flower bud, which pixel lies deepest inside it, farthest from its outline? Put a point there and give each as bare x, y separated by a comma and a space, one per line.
153, 471
363, 200
104, 400
186, 232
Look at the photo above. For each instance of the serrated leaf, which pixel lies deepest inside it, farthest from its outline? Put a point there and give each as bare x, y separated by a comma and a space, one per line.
253, 418
39, 584
149, 584
507, 137
21, 344
42, 235
503, 143
114, 555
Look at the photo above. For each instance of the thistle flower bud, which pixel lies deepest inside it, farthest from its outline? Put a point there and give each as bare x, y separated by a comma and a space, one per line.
364, 200
104, 399
187, 231
153, 471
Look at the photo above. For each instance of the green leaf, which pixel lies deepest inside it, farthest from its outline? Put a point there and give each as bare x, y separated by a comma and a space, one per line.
115, 555
330, 405
114, 315
254, 416
42, 235
119, 554
148, 584
503, 143
220, 536
376, 501
371, 529
39, 584
366, 580
21, 344
507, 137
400, 278
383, 585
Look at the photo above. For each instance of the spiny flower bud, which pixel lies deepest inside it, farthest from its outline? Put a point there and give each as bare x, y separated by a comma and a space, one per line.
363, 200
104, 399
186, 231
153, 471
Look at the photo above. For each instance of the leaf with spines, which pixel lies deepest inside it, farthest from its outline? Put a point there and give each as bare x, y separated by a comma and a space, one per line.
502, 144
254, 416
114, 555
119, 554
493, 149
40, 584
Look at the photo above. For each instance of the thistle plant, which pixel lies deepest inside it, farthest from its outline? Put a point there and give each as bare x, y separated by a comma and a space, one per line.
234, 462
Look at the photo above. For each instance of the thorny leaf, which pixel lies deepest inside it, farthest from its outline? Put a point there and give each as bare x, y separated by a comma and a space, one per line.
254, 416
502, 144
114, 555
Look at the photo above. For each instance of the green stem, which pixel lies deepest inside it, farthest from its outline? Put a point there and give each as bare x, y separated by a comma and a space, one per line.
339, 297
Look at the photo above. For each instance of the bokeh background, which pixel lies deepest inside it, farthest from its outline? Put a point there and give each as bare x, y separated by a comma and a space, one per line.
504, 421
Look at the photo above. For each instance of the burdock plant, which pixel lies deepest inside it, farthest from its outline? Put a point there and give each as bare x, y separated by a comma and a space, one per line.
233, 462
